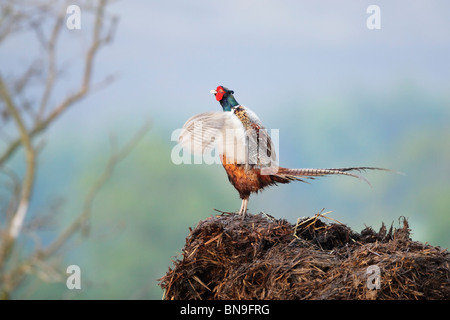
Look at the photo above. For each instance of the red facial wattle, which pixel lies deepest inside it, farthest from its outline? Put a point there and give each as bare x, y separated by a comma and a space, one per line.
220, 93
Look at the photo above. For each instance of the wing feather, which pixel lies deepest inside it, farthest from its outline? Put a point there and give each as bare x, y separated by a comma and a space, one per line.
206, 131
225, 131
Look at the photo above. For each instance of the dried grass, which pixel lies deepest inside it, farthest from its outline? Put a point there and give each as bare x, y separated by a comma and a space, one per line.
226, 257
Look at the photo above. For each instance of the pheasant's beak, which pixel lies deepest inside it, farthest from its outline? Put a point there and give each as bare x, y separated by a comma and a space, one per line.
213, 91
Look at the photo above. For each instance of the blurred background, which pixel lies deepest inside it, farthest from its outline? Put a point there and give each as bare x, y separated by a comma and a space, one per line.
340, 94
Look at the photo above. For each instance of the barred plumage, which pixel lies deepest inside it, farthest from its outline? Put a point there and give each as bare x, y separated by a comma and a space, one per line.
310, 173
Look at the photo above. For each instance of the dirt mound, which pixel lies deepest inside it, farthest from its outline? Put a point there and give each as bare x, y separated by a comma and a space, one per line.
226, 257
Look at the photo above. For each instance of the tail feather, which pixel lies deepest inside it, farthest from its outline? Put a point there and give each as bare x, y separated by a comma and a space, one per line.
298, 174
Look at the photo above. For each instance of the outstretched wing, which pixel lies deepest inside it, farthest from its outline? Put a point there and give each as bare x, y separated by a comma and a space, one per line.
205, 131
224, 130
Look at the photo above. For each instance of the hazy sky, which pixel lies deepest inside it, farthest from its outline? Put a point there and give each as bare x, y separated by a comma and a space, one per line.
169, 54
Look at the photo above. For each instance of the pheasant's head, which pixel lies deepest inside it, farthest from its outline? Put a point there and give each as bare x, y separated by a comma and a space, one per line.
225, 97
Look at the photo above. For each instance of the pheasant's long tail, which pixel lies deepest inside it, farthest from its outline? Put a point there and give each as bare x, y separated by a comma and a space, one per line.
300, 174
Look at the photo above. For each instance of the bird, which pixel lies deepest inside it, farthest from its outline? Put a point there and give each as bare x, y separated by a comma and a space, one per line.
245, 148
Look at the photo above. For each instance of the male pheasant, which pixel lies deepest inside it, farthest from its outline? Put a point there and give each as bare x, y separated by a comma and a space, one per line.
245, 148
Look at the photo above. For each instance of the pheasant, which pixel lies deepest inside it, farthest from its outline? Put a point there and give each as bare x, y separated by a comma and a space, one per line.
245, 148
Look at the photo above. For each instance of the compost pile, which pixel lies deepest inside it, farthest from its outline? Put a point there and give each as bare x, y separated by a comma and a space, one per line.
259, 257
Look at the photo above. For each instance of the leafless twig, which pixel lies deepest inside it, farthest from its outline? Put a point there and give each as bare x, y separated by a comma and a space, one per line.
30, 117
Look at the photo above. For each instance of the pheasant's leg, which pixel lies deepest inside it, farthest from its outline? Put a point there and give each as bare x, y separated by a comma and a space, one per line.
244, 205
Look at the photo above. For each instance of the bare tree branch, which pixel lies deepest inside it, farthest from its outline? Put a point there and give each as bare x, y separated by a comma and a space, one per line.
46, 19
14, 185
84, 88
51, 73
17, 276
27, 185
